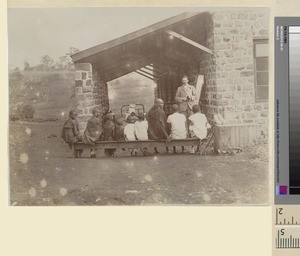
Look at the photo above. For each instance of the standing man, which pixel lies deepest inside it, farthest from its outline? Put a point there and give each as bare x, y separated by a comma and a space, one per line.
185, 97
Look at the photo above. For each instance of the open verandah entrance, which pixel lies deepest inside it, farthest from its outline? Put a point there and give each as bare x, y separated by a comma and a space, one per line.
162, 52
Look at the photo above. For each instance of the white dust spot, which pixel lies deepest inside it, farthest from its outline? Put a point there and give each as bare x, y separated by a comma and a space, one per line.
63, 191
47, 152
155, 158
132, 192
43, 183
23, 158
206, 198
148, 177
199, 174
38, 94
62, 114
32, 192
112, 94
157, 198
130, 163
98, 200
14, 203
58, 169
28, 131
46, 158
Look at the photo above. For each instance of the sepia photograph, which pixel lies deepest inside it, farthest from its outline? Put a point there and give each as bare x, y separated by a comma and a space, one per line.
138, 106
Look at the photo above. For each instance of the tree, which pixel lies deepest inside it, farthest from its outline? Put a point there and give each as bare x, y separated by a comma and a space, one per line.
26, 65
47, 62
65, 62
72, 50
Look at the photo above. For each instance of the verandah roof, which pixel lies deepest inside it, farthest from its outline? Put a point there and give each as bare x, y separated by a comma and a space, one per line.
172, 42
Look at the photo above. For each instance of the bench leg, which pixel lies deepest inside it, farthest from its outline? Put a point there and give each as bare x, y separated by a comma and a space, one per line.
93, 153
74, 151
144, 151
77, 153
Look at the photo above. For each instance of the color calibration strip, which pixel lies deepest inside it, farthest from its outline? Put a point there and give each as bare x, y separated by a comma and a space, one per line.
287, 110
294, 83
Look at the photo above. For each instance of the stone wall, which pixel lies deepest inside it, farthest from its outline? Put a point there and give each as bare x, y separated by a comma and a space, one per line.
90, 93
207, 67
233, 92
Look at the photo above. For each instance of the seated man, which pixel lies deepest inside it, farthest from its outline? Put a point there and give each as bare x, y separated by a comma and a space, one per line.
157, 122
177, 124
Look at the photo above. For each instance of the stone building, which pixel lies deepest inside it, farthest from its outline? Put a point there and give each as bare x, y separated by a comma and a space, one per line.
228, 47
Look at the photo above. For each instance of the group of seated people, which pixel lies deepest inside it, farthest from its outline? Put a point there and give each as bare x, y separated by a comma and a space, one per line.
154, 125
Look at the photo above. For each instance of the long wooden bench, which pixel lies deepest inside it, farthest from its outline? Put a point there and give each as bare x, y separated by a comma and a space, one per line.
102, 145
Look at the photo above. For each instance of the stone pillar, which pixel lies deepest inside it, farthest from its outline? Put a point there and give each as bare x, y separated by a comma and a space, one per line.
103, 98
87, 93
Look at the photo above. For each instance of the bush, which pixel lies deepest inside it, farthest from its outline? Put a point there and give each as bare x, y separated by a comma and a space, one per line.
27, 112
22, 112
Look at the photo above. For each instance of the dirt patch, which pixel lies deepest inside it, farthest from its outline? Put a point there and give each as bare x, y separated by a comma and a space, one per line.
43, 172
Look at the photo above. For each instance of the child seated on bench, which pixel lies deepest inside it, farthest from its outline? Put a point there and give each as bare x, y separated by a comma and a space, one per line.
119, 130
93, 130
129, 132
198, 124
177, 123
70, 130
108, 133
141, 129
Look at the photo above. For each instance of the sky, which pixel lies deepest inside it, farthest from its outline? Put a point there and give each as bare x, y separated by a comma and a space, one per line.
34, 32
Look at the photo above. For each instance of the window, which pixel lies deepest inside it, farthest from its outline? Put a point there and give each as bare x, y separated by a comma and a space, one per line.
261, 69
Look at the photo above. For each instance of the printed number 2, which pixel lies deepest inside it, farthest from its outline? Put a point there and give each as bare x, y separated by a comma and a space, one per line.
280, 211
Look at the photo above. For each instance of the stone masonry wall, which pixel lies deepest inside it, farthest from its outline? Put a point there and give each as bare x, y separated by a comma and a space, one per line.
208, 100
90, 93
234, 90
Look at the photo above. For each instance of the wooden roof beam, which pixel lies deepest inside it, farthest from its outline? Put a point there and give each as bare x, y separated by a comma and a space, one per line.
155, 71
148, 73
105, 65
189, 41
144, 75
108, 76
